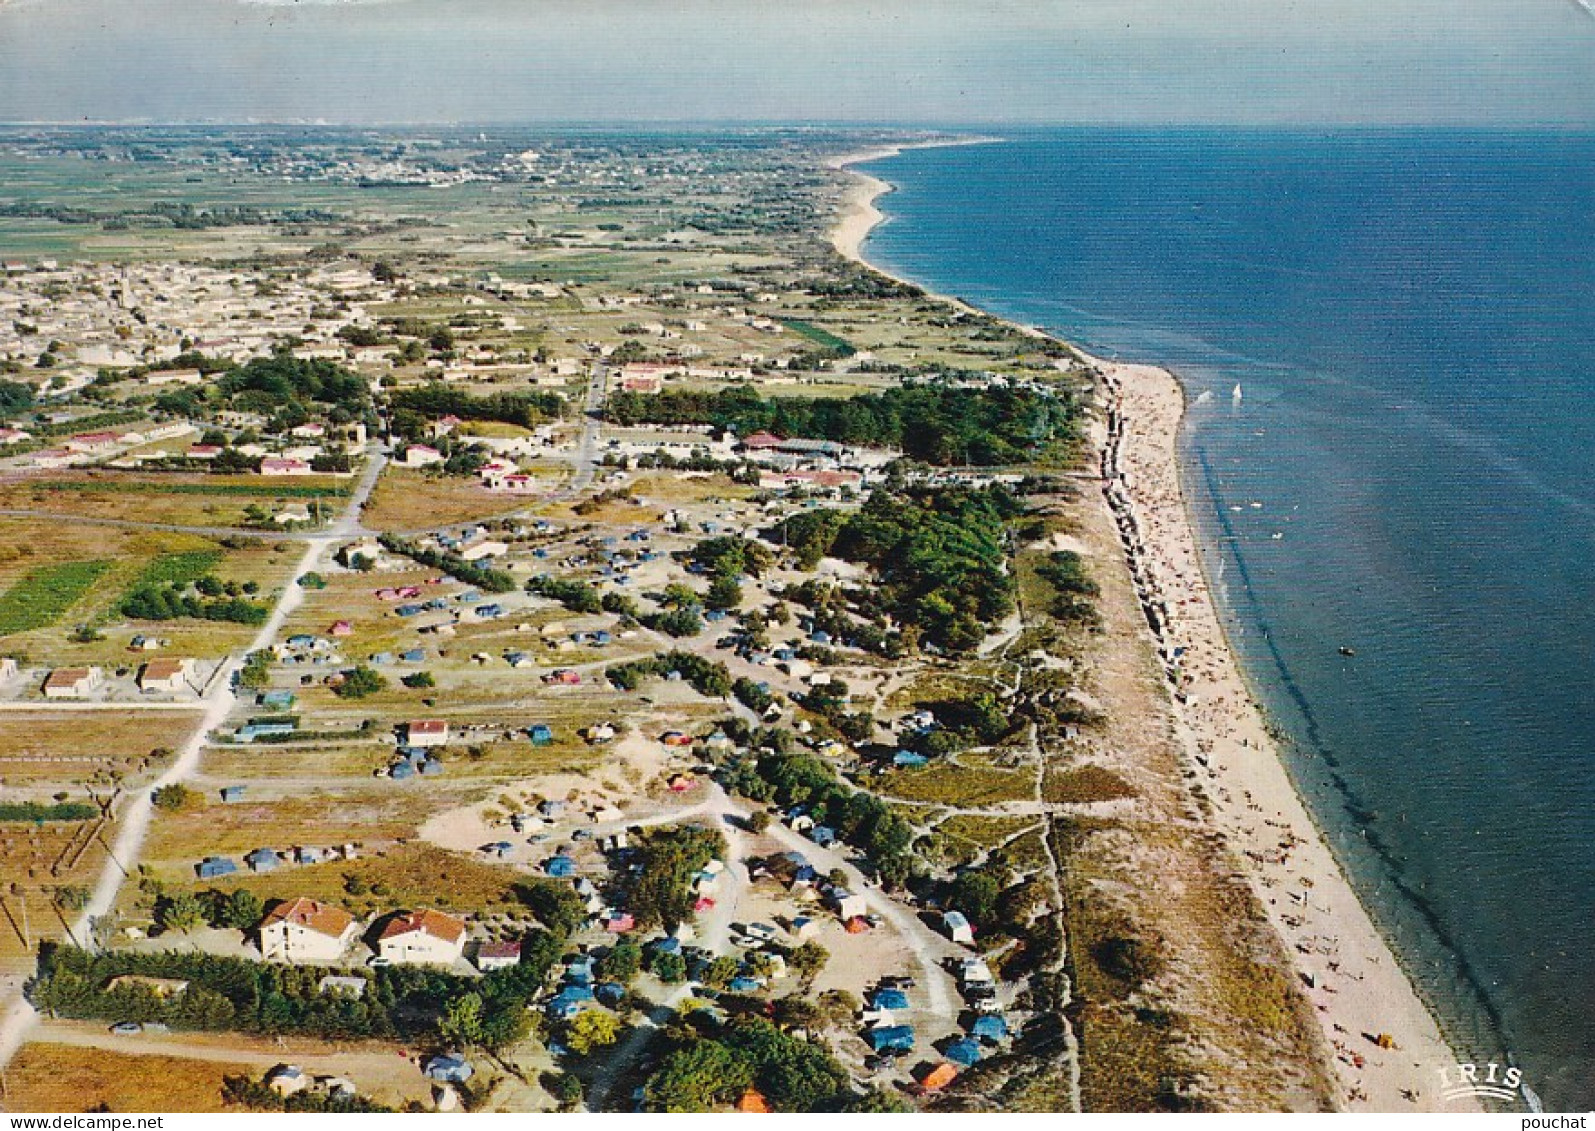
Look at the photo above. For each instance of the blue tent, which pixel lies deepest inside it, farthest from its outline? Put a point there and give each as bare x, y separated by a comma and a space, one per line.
214, 866
570, 1001
890, 999
908, 758
262, 860
900, 1037
449, 1067
401, 770
560, 866
742, 984
963, 1051
541, 734
610, 993
989, 1027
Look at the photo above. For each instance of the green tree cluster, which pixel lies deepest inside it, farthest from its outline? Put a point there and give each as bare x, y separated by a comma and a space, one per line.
938, 424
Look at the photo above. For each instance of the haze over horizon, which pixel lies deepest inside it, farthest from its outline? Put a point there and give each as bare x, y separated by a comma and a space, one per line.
1000, 62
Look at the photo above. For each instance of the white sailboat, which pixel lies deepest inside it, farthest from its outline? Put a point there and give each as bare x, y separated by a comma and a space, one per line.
1236, 395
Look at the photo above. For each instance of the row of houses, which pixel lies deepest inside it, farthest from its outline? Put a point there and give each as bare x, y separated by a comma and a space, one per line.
172, 675
304, 930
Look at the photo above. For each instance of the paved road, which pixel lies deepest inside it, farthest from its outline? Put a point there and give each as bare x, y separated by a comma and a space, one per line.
133, 824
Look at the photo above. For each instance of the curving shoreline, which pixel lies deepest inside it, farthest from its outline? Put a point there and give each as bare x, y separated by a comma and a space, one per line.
1352, 977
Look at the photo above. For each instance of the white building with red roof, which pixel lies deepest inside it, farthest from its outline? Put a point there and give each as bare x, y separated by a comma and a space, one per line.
425, 937
306, 930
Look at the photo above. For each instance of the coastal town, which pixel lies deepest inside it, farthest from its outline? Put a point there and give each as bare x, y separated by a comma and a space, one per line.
526, 623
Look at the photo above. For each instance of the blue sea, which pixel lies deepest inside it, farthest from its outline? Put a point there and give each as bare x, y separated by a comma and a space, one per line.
1411, 316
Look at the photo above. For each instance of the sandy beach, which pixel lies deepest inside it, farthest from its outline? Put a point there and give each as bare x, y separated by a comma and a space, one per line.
1350, 974
1347, 969
859, 214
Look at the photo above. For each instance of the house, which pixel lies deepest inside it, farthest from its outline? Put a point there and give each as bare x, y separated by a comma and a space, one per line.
287, 1080
427, 732
341, 628
284, 465
419, 455
165, 675
497, 955
8, 668
424, 937
72, 683
306, 930
203, 451
92, 443
214, 867
450, 1067
262, 860
958, 928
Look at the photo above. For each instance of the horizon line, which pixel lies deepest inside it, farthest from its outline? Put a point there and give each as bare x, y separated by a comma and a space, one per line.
811, 125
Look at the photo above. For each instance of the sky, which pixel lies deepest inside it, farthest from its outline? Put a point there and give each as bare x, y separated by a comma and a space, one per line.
933, 62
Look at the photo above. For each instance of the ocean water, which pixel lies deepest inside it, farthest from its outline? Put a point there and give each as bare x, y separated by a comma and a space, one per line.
1411, 317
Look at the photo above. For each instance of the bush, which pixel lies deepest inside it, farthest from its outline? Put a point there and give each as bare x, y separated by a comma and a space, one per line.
359, 682
174, 798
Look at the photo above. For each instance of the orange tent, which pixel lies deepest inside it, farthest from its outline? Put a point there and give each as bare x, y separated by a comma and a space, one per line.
754, 1102
939, 1077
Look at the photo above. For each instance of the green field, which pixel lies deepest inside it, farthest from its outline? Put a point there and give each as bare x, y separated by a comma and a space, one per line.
177, 569
43, 595
820, 337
